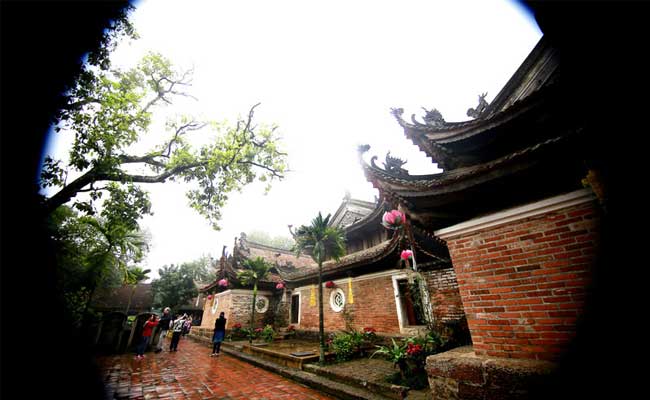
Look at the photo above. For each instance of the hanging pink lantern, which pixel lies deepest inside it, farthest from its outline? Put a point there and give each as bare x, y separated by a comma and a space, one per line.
223, 283
280, 285
393, 219
406, 254
209, 297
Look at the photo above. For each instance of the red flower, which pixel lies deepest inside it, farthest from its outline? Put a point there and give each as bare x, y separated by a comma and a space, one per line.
369, 330
413, 349
291, 328
237, 326
258, 329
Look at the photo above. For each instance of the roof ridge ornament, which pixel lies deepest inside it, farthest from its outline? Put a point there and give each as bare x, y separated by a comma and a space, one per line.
432, 118
393, 165
480, 109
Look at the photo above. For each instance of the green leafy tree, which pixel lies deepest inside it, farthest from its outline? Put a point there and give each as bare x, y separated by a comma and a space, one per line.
134, 276
322, 242
254, 271
201, 270
174, 288
92, 252
110, 112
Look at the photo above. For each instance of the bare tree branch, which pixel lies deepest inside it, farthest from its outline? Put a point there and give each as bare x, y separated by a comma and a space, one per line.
274, 172
148, 159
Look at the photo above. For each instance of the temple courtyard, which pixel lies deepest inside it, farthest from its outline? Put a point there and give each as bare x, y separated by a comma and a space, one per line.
190, 373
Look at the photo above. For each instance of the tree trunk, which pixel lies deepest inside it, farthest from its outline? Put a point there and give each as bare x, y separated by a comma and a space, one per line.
128, 305
87, 305
250, 336
321, 323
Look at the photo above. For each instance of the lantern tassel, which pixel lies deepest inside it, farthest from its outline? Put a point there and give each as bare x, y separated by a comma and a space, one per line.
350, 296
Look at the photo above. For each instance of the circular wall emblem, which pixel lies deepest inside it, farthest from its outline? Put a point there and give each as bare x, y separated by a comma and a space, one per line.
215, 304
337, 300
261, 304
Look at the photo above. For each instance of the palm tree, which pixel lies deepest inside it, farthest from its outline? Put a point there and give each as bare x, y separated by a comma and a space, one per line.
112, 246
256, 271
134, 276
322, 242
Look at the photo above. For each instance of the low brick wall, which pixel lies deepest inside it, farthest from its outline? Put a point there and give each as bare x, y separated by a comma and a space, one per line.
461, 374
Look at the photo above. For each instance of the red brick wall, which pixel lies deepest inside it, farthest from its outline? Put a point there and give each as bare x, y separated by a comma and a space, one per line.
237, 309
375, 306
523, 284
445, 297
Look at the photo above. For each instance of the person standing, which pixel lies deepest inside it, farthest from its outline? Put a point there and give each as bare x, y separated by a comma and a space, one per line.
219, 334
165, 322
147, 330
177, 330
187, 326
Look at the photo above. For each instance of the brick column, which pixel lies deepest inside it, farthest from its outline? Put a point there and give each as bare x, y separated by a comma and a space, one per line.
523, 274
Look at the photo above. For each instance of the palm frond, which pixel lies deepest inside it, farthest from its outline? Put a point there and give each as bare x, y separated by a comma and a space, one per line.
255, 270
320, 240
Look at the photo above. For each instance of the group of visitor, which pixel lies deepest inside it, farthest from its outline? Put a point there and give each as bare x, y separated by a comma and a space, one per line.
170, 327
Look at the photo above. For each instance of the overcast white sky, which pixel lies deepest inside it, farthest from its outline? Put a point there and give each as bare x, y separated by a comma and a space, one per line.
327, 73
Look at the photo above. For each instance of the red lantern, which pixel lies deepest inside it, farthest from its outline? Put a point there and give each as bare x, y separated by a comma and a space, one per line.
330, 284
209, 297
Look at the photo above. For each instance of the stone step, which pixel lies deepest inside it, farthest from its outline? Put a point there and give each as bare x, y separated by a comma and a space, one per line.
385, 389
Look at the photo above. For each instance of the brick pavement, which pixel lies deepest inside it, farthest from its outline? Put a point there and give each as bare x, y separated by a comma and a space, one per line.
190, 373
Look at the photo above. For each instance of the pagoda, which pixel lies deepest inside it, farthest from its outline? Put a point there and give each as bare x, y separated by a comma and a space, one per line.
518, 205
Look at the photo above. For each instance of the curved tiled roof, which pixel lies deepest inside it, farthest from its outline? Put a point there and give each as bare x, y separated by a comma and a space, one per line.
419, 183
280, 258
117, 298
366, 256
529, 86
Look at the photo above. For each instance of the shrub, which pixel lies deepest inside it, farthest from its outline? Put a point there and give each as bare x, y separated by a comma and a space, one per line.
290, 331
268, 334
410, 356
395, 353
369, 334
238, 332
344, 346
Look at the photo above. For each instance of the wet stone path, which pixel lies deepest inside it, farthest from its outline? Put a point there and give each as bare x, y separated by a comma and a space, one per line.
190, 373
